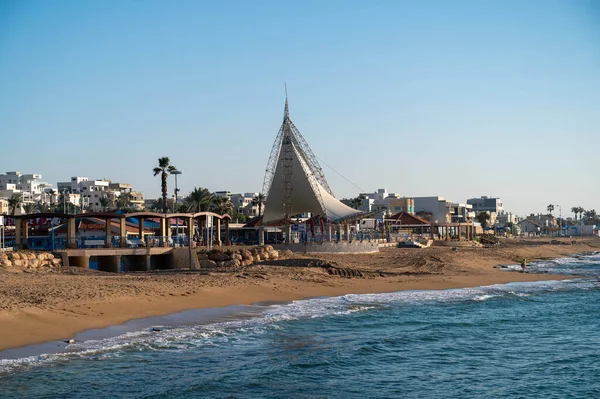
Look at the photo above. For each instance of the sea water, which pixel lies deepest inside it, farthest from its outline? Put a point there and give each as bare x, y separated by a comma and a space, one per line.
522, 340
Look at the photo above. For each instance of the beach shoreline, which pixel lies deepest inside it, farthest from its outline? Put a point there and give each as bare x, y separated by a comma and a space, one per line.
45, 307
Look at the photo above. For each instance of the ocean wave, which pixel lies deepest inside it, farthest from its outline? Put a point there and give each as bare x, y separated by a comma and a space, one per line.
182, 338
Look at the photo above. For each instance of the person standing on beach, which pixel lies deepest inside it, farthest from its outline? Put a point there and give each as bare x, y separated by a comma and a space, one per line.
524, 264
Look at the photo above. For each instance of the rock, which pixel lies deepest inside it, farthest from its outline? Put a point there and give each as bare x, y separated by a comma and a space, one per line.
156, 329
286, 253
56, 262
232, 263
265, 256
246, 262
274, 254
208, 263
14, 256
17, 262
237, 256
218, 257
246, 254
49, 256
34, 263
268, 248
41, 256
70, 341
6, 263
257, 258
202, 256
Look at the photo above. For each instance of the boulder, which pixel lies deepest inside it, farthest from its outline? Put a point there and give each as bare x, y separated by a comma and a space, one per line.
237, 256
274, 254
207, 263
56, 262
17, 262
268, 248
246, 254
257, 258
49, 256
41, 256
246, 262
218, 257
286, 253
6, 263
265, 256
34, 263
232, 263
14, 256
202, 256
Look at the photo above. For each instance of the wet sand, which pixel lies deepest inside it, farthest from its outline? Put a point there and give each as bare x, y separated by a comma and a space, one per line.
39, 307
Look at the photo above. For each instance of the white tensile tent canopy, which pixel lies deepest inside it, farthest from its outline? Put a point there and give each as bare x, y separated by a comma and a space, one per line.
294, 181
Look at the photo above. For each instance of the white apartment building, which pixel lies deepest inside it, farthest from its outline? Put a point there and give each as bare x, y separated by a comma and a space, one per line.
90, 192
243, 203
29, 185
438, 207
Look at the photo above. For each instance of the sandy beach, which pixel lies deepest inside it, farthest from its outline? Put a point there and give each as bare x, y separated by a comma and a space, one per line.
38, 307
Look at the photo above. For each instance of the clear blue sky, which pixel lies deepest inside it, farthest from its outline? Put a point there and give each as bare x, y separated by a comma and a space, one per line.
450, 98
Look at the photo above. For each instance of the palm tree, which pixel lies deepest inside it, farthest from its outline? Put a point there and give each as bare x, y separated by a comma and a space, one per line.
105, 202
221, 205
164, 168
550, 209
198, 200
15, 202
575, 210
590, 216
28, 208
581, 211
258, 200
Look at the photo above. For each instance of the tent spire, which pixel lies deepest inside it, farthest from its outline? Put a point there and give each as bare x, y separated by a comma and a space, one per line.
286, 112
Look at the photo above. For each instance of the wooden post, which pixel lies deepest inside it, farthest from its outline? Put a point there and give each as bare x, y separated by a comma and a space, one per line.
218, 228
123, 232
108, 232
141, 228
71, 234
227, 239
18, 234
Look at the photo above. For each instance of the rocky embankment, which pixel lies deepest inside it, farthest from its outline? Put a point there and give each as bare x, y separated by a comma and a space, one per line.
29, 260
239, 258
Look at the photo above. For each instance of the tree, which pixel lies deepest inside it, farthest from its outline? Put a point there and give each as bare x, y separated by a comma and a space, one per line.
221, 205
483, 218
28, 208
590, 216
105, 202
550, 209
198, 200
123, 201
575, 211
42, 207
164, 168
15, 202
581, 211
258, 200
357, 202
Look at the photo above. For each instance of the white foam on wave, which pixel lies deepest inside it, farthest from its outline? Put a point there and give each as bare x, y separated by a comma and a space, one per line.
224, 333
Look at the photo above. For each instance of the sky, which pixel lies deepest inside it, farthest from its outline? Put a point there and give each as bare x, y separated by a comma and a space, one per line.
452, 98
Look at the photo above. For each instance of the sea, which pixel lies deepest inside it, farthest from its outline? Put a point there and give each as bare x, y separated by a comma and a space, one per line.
517, 340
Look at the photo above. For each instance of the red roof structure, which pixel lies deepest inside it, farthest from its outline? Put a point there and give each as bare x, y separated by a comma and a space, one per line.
405, 218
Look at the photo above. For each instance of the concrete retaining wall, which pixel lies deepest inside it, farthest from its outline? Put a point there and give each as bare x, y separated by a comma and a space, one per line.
331, 247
